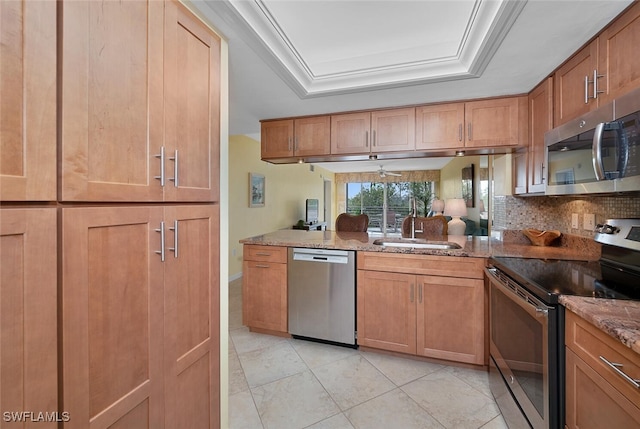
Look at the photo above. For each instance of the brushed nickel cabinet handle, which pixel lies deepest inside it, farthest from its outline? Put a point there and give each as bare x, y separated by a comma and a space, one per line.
289, 146
161, 156
586, 90
174, 158
596, 76
262, 266
174, 228
373, 137
460, 133
469, 131
617, 368
420, 293
411, 293
161, 231
263, 254
366, 139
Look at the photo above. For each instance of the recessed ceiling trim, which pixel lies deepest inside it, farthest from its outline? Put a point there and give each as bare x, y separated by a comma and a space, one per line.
488, 24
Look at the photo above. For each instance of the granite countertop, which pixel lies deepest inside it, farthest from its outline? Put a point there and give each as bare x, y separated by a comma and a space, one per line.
618, 318
471, 246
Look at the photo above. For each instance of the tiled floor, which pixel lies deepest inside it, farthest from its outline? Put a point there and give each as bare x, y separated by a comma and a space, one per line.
279, 383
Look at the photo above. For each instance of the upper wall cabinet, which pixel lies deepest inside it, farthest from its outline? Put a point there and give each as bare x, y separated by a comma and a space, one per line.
606, 68
296, 137
192, 107
118, 83
540, 121
475, 124
391, 130
28, 101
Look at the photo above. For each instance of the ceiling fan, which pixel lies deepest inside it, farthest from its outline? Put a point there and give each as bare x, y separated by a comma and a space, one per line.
384, 173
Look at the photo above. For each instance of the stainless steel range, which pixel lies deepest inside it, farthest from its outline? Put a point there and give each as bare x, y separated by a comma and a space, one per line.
527, 323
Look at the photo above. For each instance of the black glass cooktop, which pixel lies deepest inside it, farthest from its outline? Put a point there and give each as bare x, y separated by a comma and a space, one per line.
548, 279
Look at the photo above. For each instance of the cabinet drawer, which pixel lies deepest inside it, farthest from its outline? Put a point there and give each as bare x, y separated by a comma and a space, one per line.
446, 266
265, 253
590, 344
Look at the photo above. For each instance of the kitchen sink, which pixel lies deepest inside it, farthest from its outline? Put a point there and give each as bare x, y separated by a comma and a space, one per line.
416, 243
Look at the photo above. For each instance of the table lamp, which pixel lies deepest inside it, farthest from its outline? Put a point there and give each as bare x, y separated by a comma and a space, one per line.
456, 207
437, 206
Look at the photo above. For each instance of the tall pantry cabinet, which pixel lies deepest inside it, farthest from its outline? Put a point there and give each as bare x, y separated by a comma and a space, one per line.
136, 197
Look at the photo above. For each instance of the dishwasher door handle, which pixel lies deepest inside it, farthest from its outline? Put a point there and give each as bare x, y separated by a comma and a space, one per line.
331, 259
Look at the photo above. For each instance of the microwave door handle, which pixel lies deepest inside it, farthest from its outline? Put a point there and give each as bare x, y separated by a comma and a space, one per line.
597, 151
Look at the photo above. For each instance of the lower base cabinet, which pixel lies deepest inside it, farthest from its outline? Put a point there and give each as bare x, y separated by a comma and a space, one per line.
597, 396
140, 316
28, 317
427, 310
264, 288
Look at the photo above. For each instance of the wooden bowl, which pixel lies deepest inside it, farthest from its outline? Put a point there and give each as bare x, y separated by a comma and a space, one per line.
541, 238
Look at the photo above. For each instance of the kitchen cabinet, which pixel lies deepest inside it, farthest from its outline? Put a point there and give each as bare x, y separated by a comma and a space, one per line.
601, 71
529, 166
192, 317
572, 85
139, 103
298, 137
597, 395
141, 334
28, 316
264, 288
413, 304
496, 122
618, 62
391, 130
482, 123
28, 101
440, 126
192, 107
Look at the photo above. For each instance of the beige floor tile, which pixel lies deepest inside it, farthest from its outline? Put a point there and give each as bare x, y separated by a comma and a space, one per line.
318, 354
245, 341
394, 409
293, 402
270, 364
451, 401
496, 423
242, 412
339, 421
476, 378
352, 381
401, 370
237, 380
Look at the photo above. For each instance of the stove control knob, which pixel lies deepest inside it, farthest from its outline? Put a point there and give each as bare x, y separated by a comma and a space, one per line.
606, 229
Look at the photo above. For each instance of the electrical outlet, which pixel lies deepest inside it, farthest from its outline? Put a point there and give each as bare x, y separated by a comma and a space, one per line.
589, 221
574, 221
233, 252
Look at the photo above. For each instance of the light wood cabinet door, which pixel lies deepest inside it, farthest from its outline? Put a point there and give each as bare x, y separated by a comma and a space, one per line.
350, 133
264, 288
312, 136
592, 403
28, 101
520, 172
573, 85
496, 122
192, 107
618, 59
191, 317
28, 312
540, 121
450, 319
386, 311
112, 100
276, 139
440, 126
393, 130
112, 317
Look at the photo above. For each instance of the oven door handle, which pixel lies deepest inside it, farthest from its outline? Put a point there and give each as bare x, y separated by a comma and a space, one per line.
518, 294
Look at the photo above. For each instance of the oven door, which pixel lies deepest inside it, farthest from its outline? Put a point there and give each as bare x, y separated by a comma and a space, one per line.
519, 329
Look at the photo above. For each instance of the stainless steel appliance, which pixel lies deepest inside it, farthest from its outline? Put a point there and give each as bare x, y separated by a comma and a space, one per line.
598, 152
527, 322
322, 295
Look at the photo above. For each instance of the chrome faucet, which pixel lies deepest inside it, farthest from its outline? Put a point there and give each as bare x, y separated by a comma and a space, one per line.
414, 214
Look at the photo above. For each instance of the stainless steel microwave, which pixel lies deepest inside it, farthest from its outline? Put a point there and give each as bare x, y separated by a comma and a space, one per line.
598, 152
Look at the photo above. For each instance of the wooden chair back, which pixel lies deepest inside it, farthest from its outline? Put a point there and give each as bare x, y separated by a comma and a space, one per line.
352, 223
430, 226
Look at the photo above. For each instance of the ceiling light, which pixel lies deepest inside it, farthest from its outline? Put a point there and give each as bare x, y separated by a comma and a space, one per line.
459, 153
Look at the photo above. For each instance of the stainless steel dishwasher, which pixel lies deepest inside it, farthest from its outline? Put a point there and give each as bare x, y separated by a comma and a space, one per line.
322, 295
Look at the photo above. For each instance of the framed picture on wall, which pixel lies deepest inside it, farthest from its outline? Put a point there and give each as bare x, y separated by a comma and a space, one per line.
468, 191
256, 190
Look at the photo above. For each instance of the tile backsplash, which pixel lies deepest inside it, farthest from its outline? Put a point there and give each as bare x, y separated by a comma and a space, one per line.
516, 213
